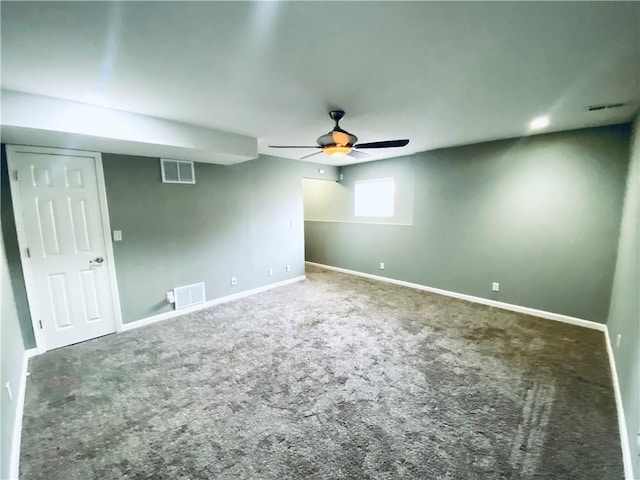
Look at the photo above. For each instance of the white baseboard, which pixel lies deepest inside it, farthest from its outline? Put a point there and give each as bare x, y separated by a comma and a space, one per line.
14, 464
622, 424
210, 303
624, 438
470, 298
17, 429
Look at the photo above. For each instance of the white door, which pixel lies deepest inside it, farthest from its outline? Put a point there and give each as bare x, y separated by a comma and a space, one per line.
61, 230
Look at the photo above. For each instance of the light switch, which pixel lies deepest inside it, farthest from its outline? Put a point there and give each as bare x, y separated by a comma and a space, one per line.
117, 235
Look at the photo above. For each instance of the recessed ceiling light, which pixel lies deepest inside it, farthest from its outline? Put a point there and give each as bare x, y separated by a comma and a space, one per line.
538, 123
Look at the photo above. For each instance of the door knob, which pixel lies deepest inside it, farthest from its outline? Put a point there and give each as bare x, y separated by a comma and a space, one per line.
97, 260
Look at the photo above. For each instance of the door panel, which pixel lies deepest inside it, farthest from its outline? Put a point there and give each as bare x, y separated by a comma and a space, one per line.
48, 226
58, 294
78, 214
63, 229
89, 296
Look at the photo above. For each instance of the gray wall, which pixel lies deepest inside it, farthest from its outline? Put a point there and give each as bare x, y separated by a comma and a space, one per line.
236, 220
540, 215
12, 357
624, 314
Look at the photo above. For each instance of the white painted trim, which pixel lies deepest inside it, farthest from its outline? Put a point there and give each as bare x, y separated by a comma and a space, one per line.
12, 150
14, 459
22, 236
622, 424
624, 438
210, 303
361, 222
470, 298
108, 243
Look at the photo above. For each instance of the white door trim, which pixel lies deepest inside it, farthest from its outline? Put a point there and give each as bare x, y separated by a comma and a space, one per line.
12, 151
106, 229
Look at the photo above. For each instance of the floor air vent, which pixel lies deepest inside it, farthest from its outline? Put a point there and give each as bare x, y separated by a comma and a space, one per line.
189, 295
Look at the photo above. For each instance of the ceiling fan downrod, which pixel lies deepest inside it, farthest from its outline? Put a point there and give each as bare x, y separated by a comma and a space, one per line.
336, 115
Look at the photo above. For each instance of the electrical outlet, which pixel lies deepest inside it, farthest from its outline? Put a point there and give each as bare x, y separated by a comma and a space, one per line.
117, 235
381, 265
234, 281
341, 176
618, 339
287, 268
321, 171
9, 393
495, 287
270, 272
170, 297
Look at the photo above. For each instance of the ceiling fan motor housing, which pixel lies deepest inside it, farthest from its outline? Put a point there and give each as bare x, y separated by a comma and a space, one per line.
336, 115
337, 136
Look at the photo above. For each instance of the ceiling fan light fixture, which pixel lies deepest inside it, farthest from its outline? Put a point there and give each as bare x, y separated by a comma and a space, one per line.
336, 150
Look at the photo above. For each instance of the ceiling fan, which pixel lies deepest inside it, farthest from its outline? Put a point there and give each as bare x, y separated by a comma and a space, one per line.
339, 142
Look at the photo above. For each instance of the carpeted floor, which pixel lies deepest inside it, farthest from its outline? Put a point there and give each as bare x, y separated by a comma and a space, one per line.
334, 377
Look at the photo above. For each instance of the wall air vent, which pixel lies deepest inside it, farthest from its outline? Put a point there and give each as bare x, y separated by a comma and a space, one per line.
189, 295
177, 171
605, 106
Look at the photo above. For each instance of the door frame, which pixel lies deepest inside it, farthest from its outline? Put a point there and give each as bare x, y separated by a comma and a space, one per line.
12, 152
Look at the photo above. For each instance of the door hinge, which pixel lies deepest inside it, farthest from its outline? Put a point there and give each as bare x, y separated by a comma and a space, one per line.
40, 323
16, 175
28, 253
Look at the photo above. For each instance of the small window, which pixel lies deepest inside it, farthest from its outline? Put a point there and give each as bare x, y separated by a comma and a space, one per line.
374, 198
177, 171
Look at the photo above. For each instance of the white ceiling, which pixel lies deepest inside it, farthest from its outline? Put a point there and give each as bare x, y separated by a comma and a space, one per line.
440, 74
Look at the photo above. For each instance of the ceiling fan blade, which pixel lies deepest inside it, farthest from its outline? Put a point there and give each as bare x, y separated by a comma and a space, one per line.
358, 155
293, 146
310, 155
384, 144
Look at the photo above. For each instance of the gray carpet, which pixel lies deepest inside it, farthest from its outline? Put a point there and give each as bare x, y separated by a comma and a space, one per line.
334, 377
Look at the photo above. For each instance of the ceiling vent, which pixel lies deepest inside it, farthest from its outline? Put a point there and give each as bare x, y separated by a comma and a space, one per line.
605, 106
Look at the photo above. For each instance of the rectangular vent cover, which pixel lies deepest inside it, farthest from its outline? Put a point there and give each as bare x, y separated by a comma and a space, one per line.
177, 171
605, 106
189, 295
